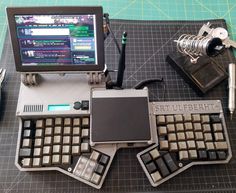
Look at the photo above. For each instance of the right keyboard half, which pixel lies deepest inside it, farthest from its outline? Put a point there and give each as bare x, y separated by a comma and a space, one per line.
189, 133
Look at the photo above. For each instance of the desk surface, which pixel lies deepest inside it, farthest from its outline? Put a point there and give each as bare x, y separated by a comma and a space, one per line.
142, 10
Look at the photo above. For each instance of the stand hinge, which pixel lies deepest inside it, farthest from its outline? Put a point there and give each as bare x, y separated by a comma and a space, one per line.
96, 77
29, 79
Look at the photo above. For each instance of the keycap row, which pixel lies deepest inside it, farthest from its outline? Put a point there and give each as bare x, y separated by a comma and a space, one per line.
188, 126
179, 118
59, 121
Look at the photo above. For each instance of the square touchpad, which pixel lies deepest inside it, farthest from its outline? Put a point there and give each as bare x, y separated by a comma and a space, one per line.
120, 116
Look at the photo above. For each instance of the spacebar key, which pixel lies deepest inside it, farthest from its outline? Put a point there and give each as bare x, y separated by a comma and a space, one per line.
162, 167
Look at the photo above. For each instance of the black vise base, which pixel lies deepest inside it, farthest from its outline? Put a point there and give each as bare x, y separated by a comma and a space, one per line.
202, 76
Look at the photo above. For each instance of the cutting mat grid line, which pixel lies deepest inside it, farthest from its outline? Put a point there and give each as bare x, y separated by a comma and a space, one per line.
148, 43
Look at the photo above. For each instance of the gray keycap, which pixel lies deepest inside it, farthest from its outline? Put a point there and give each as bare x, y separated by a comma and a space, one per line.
188, 126
85, 121
38, 142
57, 139
183, 155
46, 160
76, 150
96, 178
210, 146
182, 145
76, 140
40, 123
154, 153
67, 121
208, 137
56, 159
27, 124
160, 119
181, 136
49, 122
58, 121
197, 126
219, 136
205, 118
200, 145
156, 176
94, 156
47, 150
173, 147
198, 135
26, 143
48, 131
56, 149
37, 152
48, 140
162, 130
58, 130
85, 147
27, 133
221, 145
187, 117
196, 118
191, 144
178, 118
76, 130
36, 162
217, 127
206, 128
67, 130
66, 140
170, 119
172, 137
164, 145
85, 133
189, 135
66, 149
39, 133
76, 121
26, 162
170, 128
192, 154
179, 127
25, 152
66, 159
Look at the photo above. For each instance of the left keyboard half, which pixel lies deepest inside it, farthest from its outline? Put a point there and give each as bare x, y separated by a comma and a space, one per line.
62, 143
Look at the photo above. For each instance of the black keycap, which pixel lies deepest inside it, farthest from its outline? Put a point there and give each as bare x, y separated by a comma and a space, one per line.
202, 154
146, 158
27, 133
151, 167
212, 155
100, 169
221, 155
170, 162
84, 105
215, 118
162, 167
104, 159
25, 152
27, 124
